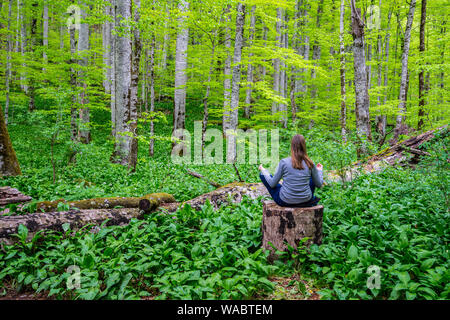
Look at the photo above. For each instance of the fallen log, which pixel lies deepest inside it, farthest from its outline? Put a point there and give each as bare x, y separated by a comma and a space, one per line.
10, 195
231, 193
76, 218
283, 226
393, 156
106, 203
35, 222
55, 220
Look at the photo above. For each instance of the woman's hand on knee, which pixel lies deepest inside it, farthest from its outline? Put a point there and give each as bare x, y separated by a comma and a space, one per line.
260, 168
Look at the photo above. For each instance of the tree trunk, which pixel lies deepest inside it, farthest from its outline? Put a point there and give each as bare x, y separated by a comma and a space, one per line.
113, 74
107, 48
316, 57
84, 134
10, 195
277, 62
8, 63
105, 203
422, 89
236, 80
9, 166
208, 91
342, 73
291, 225
248, 95
73, 83
230, 193
134, 85
397, 155
227, 74
382, 119
23, 45
180, 67
152, 93
33, 28
45, 33
283, 73
166, 39
403, 80
124, 145
361, 82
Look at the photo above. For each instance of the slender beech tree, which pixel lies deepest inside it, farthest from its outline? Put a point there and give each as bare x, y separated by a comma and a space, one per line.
8, 62
400, 122
236, 79
422, 88
45, 32
106, 34
248, 94
362, 102
125, 149
342, 73
84, 134
317, 50
227, 73
180, 67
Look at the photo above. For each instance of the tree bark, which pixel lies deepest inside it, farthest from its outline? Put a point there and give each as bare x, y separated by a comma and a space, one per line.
277, 62
230, 193
105, 203
134, 85
236, 80
124, 145
362, 103
291, 225
208, 91
45, 33
342, 73
107, 48
152, 93
180, 67
8, 64
33, 28
227, 73
113, 74
422, 88
404, 75
248, 95
23, 45
10, 195
9, 166
381, 120
84, 133
316, 57
393, 156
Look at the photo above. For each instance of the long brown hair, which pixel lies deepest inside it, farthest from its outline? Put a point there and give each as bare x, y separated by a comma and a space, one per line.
299, 153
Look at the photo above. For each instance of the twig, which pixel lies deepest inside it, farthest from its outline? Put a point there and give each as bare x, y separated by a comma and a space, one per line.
237, 172
198, 175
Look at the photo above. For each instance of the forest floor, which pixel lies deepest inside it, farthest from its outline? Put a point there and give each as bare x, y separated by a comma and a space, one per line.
397, 220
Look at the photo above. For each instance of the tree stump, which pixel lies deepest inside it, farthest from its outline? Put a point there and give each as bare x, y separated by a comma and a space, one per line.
283, 225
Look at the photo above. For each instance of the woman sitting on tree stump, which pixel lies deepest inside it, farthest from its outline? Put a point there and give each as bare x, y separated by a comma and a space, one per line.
300, 178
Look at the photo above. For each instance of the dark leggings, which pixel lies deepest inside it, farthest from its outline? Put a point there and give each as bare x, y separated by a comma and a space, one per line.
275, 194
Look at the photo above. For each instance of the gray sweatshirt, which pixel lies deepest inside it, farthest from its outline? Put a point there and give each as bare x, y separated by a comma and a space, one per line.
295, 188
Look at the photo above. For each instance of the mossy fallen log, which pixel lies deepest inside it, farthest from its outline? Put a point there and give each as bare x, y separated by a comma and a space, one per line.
55, 220
393, 156
106, 203
230, 193
10, 195
78, 218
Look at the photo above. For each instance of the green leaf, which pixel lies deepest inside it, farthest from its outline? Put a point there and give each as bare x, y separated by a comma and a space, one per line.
353, 253
88, 261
